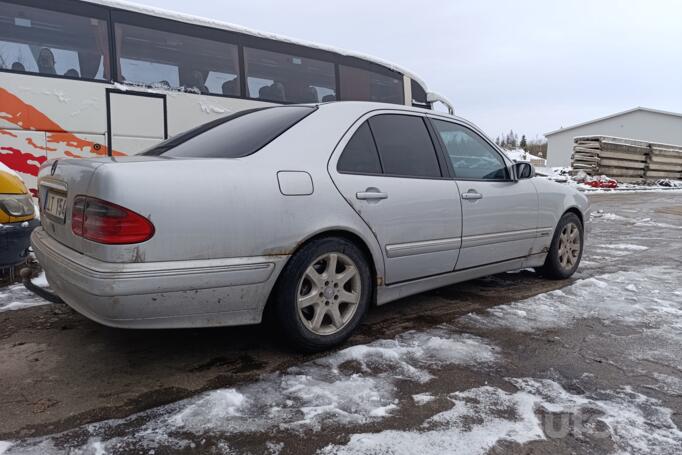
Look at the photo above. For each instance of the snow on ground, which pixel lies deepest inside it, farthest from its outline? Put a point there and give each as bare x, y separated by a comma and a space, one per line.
423, 398
352, 386
643, 222
480, 417
648, 296
16, 296
522, 155
357, 386
562, 175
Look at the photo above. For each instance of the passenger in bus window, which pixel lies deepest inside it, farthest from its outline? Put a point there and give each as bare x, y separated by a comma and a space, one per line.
231, 87
273, 92
18, 66
72, 73
46, 61
309, 95
197, 82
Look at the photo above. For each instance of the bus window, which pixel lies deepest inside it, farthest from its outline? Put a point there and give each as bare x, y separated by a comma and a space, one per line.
180, 62
362, 85
273, 76
53, 43
419, 96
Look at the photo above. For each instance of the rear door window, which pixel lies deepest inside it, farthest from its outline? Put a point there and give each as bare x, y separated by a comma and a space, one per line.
360, 155
405, 146
235, 136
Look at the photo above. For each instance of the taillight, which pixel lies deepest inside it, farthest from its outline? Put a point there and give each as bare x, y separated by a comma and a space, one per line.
104, 222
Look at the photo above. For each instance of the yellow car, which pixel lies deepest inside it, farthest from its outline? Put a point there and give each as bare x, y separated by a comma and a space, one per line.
17, 218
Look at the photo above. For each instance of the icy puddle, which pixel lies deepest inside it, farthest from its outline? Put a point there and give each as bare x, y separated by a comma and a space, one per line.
359, 386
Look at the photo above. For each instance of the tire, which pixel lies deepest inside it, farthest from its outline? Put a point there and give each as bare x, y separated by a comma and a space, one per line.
331, 305
563, 258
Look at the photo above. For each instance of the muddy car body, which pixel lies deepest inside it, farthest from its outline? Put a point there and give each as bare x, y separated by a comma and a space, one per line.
315, 211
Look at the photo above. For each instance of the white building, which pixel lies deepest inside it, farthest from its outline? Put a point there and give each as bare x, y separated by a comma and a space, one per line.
639, 123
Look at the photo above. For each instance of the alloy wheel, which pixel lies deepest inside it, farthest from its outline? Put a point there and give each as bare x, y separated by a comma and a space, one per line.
569, 246
328, 294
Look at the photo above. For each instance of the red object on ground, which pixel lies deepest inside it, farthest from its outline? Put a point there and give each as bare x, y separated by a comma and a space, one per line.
602, 183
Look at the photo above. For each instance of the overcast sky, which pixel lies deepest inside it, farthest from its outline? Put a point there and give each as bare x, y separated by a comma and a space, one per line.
528, 65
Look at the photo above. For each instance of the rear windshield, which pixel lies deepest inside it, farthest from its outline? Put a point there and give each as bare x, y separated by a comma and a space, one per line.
235, 136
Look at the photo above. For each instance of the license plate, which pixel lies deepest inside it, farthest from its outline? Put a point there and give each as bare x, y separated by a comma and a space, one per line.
55, 205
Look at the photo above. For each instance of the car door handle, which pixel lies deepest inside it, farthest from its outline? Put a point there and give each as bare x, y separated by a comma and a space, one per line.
472, 195
371, 194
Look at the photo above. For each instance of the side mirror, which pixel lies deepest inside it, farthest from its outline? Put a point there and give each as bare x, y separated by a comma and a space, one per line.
524, 170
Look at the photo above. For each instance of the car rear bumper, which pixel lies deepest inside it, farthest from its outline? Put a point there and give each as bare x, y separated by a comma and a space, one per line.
173, 294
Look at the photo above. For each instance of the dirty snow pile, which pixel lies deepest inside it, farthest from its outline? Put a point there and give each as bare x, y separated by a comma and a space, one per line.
358, 386
17, 297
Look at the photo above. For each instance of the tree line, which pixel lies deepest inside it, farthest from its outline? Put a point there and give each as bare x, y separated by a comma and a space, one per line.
511, 141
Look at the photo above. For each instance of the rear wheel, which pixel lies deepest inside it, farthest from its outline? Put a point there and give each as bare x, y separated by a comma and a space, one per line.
322, 294
565, 250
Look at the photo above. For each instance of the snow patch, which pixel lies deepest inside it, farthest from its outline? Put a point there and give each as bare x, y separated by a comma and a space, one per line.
17, 297
608, 216
624, 246
482, 417
58, 94
212, 109
423, 398
606, 297
353, 386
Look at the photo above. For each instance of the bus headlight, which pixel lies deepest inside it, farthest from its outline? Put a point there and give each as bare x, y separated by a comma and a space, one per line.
16, 205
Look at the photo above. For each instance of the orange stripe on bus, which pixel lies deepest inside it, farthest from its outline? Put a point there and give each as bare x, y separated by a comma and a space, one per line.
30, 142
20, 113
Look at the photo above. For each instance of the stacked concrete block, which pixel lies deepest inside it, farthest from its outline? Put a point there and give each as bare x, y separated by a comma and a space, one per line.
626, 160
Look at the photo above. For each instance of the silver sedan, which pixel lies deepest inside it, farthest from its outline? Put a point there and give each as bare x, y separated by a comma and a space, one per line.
306, 213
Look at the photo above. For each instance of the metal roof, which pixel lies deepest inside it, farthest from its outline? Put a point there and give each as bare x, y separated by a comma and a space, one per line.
629, 111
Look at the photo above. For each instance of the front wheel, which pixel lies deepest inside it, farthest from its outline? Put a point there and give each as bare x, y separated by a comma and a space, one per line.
566, 249
322, 294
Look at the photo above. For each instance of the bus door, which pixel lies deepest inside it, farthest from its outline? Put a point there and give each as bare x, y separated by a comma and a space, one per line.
135, 120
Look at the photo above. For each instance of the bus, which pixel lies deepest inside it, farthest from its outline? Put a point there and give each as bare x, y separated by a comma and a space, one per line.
91, 78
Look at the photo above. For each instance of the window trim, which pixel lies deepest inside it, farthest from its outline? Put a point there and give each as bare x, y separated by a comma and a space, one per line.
350, 132
468, 127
